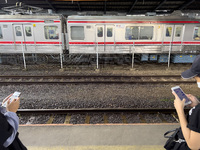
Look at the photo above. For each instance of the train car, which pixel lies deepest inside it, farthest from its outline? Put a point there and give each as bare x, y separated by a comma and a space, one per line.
31, 34
154, 38
133, 34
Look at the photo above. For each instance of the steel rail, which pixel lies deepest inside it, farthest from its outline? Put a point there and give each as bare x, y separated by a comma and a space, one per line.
83, 76
93, 79
97, 110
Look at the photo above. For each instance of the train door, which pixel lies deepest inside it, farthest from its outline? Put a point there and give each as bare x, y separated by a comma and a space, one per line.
168, 36
100, 38
173, 37
109, 39
105, 38
178, 37
23, 38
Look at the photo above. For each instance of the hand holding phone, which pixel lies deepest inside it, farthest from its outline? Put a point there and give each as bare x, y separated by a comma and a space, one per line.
15, 95
181, 94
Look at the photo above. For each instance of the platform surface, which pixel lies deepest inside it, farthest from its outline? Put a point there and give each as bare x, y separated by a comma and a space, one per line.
95, 137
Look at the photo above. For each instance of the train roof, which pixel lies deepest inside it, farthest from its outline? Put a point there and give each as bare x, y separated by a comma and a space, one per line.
172, 18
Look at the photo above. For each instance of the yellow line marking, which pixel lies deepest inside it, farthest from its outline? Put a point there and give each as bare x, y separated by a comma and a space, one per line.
67, 119
50, 120
124, 119
142, 119
87, 119
105, 118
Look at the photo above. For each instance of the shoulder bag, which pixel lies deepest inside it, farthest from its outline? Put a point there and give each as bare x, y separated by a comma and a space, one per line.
170, 143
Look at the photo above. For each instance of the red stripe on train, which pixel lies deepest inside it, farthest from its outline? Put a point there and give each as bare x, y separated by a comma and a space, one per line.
28, 42
131, 43
92, 43
134, 22
33, 21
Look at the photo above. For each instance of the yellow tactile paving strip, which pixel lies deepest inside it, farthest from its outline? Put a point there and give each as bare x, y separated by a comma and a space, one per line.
146, 147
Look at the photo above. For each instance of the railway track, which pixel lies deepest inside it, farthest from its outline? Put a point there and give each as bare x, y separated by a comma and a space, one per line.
97, 116
93, 79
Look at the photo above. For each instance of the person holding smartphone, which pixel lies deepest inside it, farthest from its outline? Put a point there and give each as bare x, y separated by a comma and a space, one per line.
190, 125
9, 123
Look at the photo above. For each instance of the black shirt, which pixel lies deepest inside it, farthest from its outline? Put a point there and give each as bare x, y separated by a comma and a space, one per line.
5, 130
193, 119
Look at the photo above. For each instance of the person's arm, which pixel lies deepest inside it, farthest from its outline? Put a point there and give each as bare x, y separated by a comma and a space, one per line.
191, 137
12, 119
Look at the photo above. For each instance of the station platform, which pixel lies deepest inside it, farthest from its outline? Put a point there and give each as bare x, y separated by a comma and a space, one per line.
95, 137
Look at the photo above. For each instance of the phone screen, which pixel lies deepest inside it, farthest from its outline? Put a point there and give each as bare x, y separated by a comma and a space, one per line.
181, 95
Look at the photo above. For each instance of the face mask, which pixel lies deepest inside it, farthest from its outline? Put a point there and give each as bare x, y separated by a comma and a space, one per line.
198, 84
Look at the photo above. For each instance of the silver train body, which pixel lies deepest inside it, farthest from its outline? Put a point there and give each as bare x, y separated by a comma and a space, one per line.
125, 35
31, 34
54, 34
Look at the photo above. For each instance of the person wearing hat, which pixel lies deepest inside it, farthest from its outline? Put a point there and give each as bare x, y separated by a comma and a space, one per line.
190, 126
193, 72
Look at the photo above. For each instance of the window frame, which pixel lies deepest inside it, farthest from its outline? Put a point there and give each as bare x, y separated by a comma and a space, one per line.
21, 31
27, 32
139, 32
110, 32
48, 30
70, 28
193, 38
180, 32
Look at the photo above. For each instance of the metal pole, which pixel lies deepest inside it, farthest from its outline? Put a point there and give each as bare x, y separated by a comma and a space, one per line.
23, 55
97, 57
133, 55
61, 61
170, 48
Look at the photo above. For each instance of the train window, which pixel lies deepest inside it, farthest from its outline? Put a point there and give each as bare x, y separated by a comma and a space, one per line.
77, 33
51, 32
1, 34
178, 31
196, 33
109, 32
132, 33
28, 31
146, 32
100, 31
168, 31
18, 31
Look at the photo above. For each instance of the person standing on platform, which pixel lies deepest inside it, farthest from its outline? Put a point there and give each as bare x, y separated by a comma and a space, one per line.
189, 135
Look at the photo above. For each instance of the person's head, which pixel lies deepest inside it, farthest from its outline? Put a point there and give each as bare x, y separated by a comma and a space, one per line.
194, 71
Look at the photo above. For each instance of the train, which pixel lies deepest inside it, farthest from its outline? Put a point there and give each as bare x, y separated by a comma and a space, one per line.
163, 39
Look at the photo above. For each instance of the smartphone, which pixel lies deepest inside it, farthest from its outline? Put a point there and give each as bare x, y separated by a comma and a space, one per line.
12, 97
181, 94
